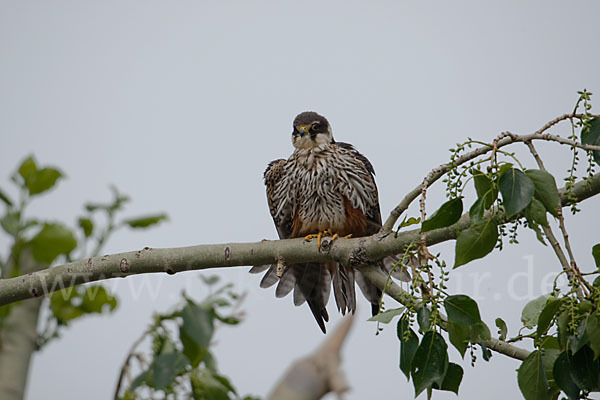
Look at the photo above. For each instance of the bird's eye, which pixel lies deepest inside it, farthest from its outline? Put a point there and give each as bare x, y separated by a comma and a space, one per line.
314, 126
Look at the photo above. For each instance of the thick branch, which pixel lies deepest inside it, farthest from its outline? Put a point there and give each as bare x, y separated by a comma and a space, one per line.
352, 252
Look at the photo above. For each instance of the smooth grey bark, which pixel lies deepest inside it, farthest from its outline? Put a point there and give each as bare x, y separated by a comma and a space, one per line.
18, 338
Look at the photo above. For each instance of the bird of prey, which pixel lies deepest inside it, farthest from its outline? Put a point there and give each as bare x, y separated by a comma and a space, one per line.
324, 188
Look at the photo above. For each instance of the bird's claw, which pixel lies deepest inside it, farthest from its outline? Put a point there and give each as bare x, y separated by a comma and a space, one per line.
321, 234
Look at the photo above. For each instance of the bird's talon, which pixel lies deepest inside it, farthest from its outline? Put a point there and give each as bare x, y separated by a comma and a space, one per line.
327, 232
311, 236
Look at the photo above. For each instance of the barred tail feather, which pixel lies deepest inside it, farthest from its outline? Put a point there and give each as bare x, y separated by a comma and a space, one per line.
270, 278
286, 282
344, 288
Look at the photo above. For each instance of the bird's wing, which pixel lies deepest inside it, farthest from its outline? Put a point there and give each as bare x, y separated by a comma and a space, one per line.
283, 221
311, 282
373, 217
373, 213
282, 218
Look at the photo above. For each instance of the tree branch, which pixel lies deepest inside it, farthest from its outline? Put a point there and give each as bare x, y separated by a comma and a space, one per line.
501, 140
352, 252
380, 280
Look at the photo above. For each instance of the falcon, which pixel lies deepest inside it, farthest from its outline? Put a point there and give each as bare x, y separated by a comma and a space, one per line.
325, 188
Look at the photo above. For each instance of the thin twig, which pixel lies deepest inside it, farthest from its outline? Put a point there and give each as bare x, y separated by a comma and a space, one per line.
570, 268
125, 367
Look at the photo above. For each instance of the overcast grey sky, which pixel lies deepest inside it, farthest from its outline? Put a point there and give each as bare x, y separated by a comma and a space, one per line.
181, 104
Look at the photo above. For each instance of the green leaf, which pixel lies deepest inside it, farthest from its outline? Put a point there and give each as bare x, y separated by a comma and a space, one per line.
534, 225
504, 168
532, 378
476, 242
424, 318
550, 342
485, 189
476, 211
430, 362
225, 382
549, 356
462, 309
453, 377
10, 222
86, 225
480, 332
53, 240
532, 310
462, 335
545, 189
144, 222
96, 299
191, 349
536, 212
596, 254
459, 337
166, 367
585, 371
446, 215
27, 168
409, 221
562, 376
579, 338
593, 332
42, 180
502, 328
591, 135
546, 315
485, 352
196, 331
563, 321
387, 316
517, 191
62, 307
4, 197
74, 302
145, 378
210, 280
408, 345
207, 385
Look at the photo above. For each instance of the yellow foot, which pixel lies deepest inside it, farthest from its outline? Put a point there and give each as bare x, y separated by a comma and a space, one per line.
327, 232
335, 236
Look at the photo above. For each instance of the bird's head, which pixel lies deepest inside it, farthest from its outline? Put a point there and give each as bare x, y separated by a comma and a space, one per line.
311, 130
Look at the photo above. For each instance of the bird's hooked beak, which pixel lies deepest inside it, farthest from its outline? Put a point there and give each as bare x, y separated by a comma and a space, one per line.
303, 130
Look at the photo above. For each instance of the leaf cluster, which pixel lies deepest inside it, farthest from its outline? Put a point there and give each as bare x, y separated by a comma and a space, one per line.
181, 364
566, 334
564, 327
50, 241
425, 360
